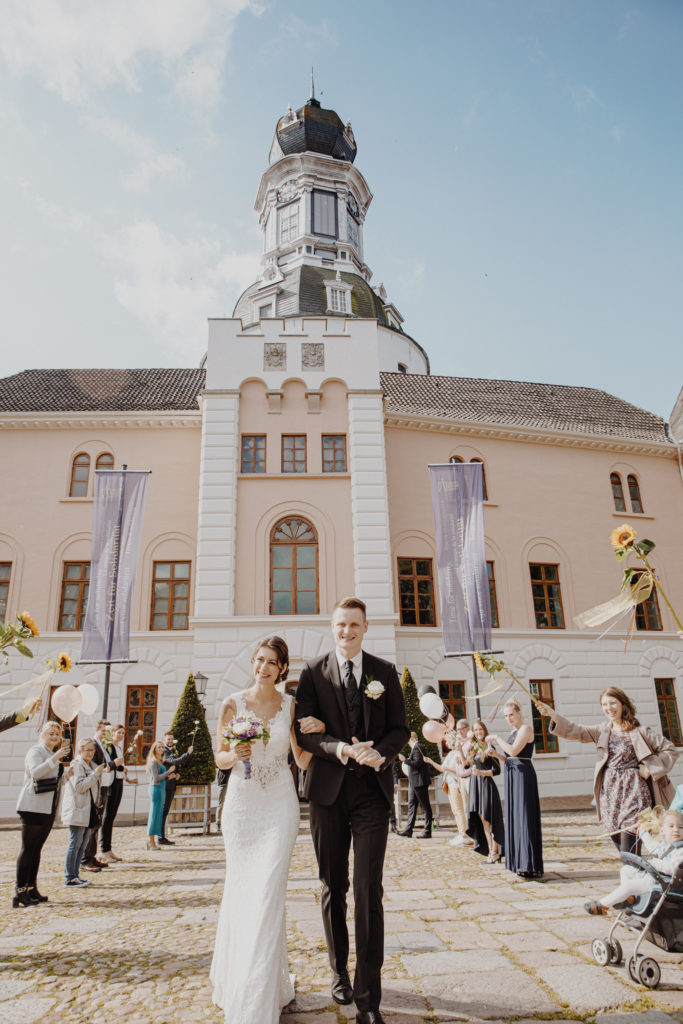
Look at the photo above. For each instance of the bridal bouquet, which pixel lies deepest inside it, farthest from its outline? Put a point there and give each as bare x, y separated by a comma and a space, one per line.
243, 729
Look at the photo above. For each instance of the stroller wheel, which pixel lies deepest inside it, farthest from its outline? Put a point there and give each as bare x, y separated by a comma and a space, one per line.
601, 950
617, 952
632, 968
649, 972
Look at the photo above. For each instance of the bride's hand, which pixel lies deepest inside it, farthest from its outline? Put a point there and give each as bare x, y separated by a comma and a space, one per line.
311, 724
243, 751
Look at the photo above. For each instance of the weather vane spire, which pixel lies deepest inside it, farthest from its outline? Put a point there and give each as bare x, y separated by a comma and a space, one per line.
312, 85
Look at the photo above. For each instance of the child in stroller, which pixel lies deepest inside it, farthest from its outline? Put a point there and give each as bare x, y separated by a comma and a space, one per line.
666, 856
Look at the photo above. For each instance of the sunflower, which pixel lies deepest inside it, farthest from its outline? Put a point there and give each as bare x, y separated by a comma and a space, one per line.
29, 623
623, 536
64, 662
479, 663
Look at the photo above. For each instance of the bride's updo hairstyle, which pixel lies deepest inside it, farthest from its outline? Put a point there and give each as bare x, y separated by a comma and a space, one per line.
281, 650
514, 703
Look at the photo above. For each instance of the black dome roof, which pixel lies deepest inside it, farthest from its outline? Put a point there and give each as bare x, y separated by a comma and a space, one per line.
311, 129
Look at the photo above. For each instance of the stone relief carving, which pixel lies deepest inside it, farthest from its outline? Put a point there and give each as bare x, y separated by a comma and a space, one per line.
312, 355
274, 356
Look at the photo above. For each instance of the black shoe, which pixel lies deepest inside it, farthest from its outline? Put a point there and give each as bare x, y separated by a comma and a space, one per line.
406, 834
36, 897
166, 842
393, 828
21, 898
369, 1017
425, 835
341, 988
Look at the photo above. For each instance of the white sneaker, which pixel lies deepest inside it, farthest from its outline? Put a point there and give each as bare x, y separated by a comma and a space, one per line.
80, 882
458, 841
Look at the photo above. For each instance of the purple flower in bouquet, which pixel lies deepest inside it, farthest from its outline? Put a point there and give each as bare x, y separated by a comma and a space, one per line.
243, 729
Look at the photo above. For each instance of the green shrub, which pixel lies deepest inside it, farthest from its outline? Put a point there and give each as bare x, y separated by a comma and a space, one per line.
415, 717
201, 768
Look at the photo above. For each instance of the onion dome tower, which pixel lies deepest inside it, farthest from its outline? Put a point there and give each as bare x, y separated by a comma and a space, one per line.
312, 203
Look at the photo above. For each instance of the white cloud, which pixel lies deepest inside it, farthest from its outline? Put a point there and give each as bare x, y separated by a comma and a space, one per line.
583, 96
151, 162
77, 47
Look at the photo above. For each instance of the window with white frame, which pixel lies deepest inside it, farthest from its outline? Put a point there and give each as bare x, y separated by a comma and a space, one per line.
324, 206
288, 218
338, 300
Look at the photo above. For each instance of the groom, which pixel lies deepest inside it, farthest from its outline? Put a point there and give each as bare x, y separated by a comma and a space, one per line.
350, 788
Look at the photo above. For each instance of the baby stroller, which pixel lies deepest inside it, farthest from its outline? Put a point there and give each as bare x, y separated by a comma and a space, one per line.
657, 915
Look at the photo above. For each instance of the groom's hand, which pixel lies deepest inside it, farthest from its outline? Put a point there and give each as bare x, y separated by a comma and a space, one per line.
363, 753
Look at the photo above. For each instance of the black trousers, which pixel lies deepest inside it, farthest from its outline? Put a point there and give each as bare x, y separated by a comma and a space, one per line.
168, 800
35, 828
90, 852
419, 795
361, 814
627, 842
110, 812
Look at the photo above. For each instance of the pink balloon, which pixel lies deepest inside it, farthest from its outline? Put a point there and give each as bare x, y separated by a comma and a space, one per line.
433, 731
450, 722
66, 702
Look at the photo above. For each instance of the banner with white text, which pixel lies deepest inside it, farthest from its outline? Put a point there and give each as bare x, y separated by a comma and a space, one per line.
117, 528
457, 499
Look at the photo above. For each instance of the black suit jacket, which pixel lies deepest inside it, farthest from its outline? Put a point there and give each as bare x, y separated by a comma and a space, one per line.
7, 721
320, 693
418, 769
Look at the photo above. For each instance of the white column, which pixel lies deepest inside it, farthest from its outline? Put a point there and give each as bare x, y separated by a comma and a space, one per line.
215, 588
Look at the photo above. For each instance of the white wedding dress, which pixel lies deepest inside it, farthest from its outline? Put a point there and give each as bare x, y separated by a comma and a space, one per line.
260, 822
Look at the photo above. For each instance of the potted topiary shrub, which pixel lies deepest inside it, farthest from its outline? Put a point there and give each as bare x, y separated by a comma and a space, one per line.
191, 807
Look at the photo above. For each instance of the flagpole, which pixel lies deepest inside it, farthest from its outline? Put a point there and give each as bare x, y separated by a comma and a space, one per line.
112, 594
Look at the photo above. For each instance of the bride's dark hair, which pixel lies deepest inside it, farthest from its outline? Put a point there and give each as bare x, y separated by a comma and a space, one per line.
279, 646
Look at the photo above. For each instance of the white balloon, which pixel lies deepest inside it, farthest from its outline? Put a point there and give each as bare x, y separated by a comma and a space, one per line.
91, 698
431, 705
405, 769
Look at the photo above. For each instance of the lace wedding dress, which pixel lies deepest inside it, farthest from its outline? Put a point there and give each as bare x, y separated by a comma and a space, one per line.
249, 972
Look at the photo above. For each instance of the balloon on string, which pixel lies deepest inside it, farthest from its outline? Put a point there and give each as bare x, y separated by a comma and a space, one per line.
66, 702
91, 698
434, 731
431, 705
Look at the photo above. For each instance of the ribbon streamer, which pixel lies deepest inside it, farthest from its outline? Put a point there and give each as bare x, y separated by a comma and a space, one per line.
632, 595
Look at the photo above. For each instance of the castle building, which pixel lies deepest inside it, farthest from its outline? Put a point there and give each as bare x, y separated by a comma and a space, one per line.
290, 469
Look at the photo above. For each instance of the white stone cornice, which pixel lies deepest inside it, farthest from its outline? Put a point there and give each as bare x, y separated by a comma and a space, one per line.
118, 420
532, 435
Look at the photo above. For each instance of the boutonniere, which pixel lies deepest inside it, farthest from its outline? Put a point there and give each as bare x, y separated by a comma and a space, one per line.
373, 688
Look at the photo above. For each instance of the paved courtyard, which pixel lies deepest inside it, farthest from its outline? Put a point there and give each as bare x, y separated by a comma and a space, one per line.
464, 941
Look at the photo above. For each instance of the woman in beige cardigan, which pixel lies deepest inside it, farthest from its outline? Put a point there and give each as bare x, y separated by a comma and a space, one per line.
631, 772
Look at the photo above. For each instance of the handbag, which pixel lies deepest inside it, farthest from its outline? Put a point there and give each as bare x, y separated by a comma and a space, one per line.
46, 785
95, 814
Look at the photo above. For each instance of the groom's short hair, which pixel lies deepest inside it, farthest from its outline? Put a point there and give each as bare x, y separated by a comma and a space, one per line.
352, 602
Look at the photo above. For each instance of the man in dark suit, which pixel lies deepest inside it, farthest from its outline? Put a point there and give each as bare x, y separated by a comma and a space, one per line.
350, 789
171, 760
419, 777
105, 753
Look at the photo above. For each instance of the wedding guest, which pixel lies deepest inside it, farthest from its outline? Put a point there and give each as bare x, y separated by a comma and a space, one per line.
632, 764
451, 767
171, 760
28, 708
485, 814
121, 775
419, 777
157, 790
392, 810
104, 754
523, 836
79, 808
43, 776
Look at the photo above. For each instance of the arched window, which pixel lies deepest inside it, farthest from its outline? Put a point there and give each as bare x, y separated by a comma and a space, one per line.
634, 493
617, 492
483, 478
293, 568
105, 461
80, 471
455, 458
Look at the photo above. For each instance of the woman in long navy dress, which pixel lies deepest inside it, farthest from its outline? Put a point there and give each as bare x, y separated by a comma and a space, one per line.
523, 838
484, 812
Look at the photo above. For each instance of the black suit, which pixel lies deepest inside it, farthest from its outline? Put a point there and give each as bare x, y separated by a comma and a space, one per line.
351, 802
90, 852
419, 777
170, 761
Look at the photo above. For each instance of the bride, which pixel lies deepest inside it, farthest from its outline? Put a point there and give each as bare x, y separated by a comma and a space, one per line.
260, 822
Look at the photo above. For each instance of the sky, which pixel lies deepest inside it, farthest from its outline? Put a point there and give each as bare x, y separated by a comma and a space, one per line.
525, 158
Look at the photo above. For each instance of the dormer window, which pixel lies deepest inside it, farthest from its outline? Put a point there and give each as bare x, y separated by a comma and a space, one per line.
338, 300
324, 213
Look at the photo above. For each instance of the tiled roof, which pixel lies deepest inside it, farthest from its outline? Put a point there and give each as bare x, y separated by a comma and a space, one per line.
520, 403
164, 389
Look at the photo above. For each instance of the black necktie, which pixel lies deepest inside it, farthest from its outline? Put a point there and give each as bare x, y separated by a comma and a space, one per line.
352, 698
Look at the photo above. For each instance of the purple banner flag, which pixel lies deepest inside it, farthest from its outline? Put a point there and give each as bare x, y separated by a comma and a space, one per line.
117, 528
457, 498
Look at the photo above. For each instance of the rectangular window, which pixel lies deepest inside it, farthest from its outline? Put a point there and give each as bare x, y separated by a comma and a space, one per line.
492, 594
141, 717
324, 213
293, 453
452, 693
545, 742
647, 613
416, 592
334, 453
545, 588
668, 710
170, 595
69, 729
253, 453
5, 575
338, 302
288, 217
75, 586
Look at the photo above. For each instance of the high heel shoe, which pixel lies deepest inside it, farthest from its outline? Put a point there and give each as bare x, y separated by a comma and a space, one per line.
36, 897
151, 845
21, 898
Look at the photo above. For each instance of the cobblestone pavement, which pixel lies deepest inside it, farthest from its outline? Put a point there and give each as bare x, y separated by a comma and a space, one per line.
464, 941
